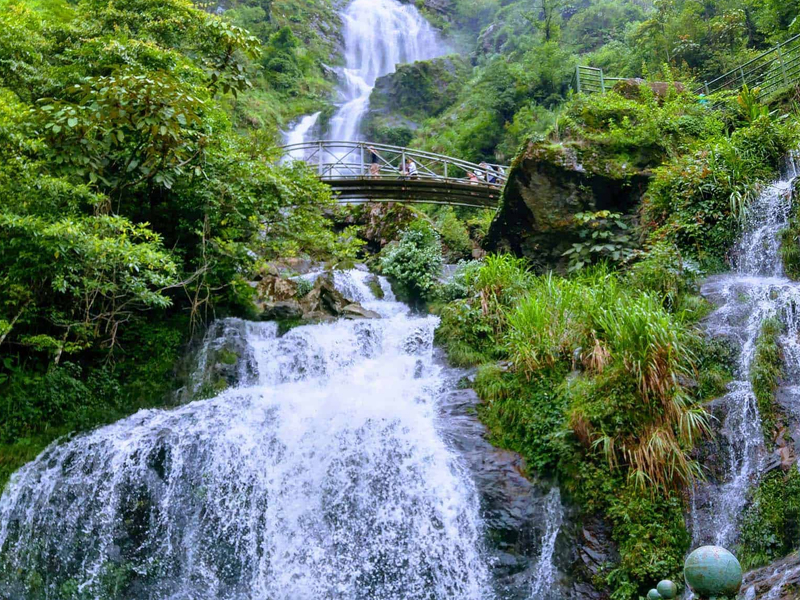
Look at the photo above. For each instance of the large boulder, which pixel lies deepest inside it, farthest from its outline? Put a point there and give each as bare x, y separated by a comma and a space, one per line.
548, 184
413, 93
323, 303
380, 222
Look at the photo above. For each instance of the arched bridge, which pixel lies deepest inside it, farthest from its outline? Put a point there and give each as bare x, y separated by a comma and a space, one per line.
367, 172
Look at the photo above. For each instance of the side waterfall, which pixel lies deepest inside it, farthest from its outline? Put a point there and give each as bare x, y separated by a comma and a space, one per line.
298, 133
756, 290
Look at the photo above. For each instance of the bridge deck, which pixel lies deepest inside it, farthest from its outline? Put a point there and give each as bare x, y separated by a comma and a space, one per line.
419, 191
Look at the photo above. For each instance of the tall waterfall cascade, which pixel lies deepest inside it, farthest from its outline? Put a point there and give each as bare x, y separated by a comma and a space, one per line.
756, 290
378, 35
323, 476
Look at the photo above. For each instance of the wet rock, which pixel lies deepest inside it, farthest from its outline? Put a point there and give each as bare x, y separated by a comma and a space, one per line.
595, 551
274, 288
356, 311
381, 222
779, 580
281, 311
324, 299
221, 361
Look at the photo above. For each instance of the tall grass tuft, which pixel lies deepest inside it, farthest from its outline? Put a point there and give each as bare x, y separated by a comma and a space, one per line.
629, 401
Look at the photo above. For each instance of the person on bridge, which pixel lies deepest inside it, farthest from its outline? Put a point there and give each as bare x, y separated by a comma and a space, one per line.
473, 178
491, 174
411, 169
374, 162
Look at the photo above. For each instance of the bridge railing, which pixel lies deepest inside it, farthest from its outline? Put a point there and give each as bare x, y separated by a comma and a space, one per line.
771, 71
337, 160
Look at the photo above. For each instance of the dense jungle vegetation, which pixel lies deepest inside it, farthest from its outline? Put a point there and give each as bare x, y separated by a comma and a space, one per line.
139, 194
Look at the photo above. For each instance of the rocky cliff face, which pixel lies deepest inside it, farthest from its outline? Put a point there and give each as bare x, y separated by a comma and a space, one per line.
548, 184
417, 91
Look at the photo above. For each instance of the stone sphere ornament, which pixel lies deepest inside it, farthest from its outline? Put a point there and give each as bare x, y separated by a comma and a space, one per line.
712, 572
667, 589
653, 595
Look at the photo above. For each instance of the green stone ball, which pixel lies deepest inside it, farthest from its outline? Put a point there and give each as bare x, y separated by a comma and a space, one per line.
653, 595
713, 571
667, 589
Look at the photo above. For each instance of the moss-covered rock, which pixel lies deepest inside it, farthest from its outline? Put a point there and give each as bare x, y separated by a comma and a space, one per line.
403, 99
548, 184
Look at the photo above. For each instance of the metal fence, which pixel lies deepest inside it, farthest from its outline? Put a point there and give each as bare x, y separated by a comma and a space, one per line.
772, 71
336, 160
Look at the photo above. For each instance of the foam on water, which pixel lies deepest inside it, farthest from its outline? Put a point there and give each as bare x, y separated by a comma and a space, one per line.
323, 476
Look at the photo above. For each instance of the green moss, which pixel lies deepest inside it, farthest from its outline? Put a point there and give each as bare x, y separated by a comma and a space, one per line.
771, 523
790, 245
765, 373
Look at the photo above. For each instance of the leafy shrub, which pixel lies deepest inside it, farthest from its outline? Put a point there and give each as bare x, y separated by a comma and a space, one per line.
415, 261
603, 236
765, 373
454, 235
771, 523
697, 201
663, 271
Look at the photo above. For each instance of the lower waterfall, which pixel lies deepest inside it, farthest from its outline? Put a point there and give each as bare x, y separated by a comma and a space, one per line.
328, 472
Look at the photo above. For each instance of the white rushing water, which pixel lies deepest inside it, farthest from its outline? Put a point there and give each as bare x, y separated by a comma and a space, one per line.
323, 475
756, 290
298, 134
544, 572
378, 36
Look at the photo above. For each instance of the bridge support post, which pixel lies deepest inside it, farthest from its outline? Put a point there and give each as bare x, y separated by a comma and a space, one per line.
578, 78
783, 65
321, 161
361, 169
602, 83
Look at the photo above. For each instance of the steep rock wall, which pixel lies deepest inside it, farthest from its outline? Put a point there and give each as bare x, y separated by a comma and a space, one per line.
548, 184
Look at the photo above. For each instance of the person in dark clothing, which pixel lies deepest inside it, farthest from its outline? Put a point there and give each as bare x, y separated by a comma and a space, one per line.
374, 162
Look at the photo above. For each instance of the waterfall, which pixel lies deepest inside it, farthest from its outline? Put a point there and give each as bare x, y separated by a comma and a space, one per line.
544, 572
323, 474
378, 35
298, 134
756, 290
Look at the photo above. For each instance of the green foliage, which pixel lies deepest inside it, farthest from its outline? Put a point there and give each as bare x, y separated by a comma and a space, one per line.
652, 540
697, 200
603, 237
790, 244
415, 261
588, 378
771, 523
766, 371
663, 271
454, 235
